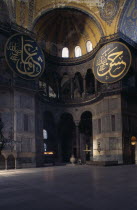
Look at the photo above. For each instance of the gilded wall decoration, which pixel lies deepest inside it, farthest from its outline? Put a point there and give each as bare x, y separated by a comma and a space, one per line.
109, 10
24, 56
128, 24
112, 62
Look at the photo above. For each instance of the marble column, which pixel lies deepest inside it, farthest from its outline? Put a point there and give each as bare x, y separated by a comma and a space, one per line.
77, 140
6, 165
72, 88
84, 85
15, 163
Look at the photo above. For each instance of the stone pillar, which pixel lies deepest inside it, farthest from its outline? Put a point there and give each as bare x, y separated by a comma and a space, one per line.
6, 165
136, 154
15, 163
72, 88
82, 148
58, 142
77, 141
84, 86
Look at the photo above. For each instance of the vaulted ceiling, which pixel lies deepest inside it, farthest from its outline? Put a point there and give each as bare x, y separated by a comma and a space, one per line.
69, 28
67, 23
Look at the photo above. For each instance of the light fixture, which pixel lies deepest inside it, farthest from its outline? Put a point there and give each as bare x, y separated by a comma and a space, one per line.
133, 140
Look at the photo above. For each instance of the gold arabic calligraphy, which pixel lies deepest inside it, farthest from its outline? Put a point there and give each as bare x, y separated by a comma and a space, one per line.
111, 64
26, 57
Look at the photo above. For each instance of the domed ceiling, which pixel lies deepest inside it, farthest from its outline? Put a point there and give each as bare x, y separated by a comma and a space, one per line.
61, 28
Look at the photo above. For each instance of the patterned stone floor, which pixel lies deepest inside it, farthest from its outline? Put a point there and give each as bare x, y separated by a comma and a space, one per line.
69, 188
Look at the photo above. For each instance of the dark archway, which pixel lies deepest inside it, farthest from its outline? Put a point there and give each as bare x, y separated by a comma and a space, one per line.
86, 139
65, 87
78, 85
10, 162
66, 131
50, 128
2, 162
90, 82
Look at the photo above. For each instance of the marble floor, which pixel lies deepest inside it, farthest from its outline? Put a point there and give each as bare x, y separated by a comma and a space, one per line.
69, 188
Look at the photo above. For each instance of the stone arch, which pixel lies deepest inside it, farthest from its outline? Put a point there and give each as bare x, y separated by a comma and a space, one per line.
65, 86
90, 82
86, 136
53, 83
50, 127
66, 133
11, 162
2, 162
40, 28
42, 13
78, 85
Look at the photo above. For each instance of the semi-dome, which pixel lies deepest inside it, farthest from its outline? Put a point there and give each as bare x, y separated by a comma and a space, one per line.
4, 13
67, 32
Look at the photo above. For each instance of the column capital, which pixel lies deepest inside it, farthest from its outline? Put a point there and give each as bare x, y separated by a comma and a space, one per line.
77, 122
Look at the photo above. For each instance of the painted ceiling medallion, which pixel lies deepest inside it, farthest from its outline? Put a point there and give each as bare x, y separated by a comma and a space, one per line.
112, 62
109, 10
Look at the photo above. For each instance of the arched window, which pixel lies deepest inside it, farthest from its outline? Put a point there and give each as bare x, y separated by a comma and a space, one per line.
78, 51
52, 93
89, 46
65, 52
45, 134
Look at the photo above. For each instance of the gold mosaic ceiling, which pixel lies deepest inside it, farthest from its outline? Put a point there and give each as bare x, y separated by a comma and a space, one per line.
61, 28
65, 23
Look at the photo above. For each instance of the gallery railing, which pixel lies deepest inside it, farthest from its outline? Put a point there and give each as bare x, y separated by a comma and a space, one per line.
103, 90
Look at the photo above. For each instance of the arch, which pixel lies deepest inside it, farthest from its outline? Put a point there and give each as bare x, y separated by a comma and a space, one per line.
42, 25
66, 116
45, 134
85, 128
86, 118
90, 82
78, 51
48, 118
52, 94
78, 85
89, 46
41, 14
65, 87
11, 162
66, 133
52, 83
2, 162
50, 128
65, 52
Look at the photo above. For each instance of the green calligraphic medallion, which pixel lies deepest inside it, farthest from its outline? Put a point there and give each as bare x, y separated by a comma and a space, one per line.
24, 56
112, 62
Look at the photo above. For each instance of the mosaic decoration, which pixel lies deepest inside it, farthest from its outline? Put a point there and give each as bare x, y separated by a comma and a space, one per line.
112, 62
128, 25
24, 56
109, 10
31, 13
